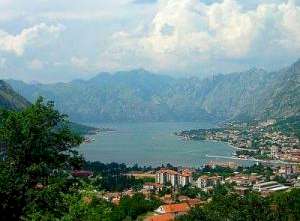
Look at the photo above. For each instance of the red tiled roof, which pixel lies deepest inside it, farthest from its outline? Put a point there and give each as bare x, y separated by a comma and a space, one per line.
186, 174
163, 217
82, 173
176, 208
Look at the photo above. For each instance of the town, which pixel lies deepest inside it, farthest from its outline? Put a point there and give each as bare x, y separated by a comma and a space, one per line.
180, 189
265, 141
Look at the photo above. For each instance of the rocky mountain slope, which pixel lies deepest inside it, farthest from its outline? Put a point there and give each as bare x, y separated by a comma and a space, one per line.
142, 96
9, 99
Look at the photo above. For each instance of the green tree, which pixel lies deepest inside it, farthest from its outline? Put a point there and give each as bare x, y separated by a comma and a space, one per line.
37, 144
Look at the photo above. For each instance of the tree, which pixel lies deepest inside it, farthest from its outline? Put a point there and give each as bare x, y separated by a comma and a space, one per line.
37, 144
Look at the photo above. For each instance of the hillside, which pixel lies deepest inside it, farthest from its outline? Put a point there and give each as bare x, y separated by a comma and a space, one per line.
9, 99
142, 96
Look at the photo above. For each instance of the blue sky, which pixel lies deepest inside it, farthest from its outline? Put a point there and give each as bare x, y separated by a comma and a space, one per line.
59, 40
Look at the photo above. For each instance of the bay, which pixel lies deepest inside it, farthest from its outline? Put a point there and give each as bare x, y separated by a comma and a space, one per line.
153, 144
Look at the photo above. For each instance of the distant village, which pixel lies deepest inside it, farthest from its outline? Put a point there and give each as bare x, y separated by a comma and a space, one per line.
260, 140
180, 189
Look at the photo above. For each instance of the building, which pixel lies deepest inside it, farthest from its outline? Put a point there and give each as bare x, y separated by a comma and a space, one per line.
271, 186
175, 209
244, 180
208, 181
287, 170
185, 178
162, 217
81, 173
274, 152
153, 186
165, 176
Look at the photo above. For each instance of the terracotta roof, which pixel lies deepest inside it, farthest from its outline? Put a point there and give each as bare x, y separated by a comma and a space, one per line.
186, 174
163, 217
176, 208
81, 173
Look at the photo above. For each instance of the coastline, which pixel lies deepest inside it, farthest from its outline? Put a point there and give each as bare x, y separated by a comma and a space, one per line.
248, 159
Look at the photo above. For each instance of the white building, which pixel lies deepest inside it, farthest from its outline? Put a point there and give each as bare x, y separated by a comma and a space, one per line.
207, 181
165, 176
270, 186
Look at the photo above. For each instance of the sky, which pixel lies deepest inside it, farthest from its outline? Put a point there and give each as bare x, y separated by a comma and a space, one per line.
61, 40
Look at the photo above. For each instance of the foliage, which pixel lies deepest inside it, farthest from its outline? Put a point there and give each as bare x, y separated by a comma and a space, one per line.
290, 125
136, 205
259, 169
192, 192
280, 206
37, 147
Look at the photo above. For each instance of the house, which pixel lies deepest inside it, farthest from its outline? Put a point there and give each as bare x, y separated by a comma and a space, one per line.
81, 173
175, 209
208, 181
162, 217
274, 152
153, 186
240, 180
287, 170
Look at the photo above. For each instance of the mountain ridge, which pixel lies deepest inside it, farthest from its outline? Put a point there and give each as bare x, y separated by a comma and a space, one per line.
140, 95
9, 99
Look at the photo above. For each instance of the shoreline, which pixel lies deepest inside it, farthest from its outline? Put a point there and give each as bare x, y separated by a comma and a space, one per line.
231, 145
254, 159
248, 159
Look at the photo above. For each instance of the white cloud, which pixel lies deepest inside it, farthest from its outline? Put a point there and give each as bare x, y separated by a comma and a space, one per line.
35, 36
170, 36
2, 62
79, 62
200, 34
36, 64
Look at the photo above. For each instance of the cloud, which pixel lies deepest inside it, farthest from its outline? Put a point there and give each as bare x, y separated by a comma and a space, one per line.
36, 64
2, 62
79, 62
195, 37
189, 34
35, 36
144, 1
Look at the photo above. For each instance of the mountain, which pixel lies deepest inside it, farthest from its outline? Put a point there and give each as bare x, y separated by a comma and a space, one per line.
124, 96
139, 95
9, 99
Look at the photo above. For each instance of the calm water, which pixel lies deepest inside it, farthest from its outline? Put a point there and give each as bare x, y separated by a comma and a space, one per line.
152, 144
